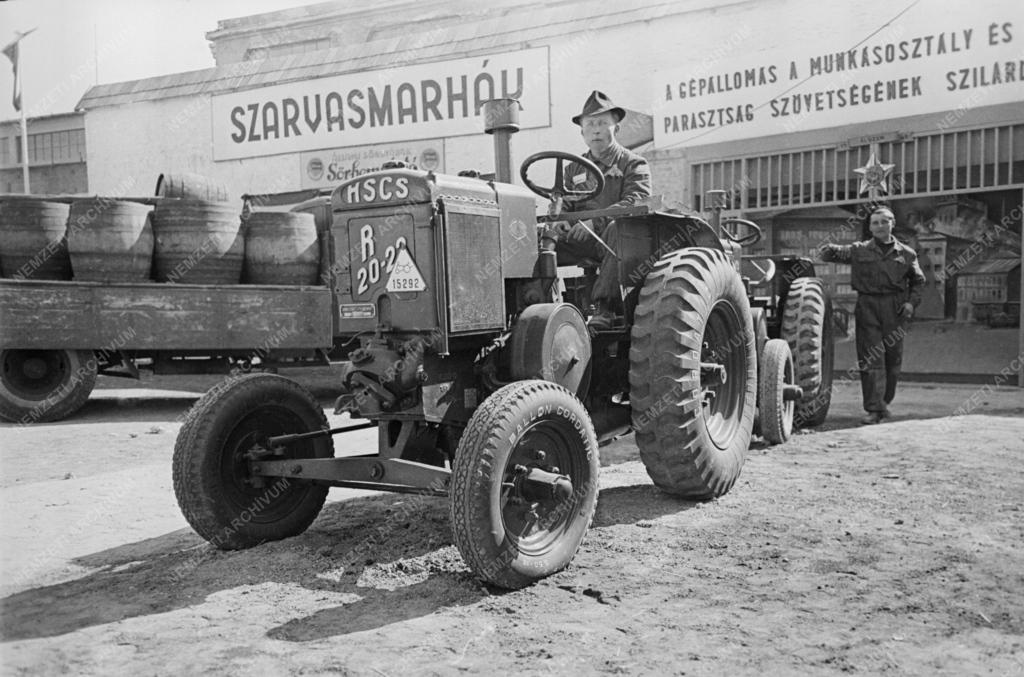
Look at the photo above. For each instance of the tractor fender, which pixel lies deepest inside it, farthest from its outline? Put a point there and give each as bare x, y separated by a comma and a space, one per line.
550, 342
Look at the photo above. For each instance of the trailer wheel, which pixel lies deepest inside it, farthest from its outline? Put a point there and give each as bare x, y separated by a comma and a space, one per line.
222, 501
807, 327
44, 385
774, 410
524, 483
692, 427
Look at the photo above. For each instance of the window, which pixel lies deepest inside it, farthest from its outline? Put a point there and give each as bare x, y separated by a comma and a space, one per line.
285, 49
50, 148
925, 164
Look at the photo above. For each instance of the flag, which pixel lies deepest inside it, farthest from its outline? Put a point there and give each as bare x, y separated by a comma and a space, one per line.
11, 52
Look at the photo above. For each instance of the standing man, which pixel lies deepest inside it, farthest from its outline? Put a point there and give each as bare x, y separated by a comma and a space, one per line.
627, 181
887, 278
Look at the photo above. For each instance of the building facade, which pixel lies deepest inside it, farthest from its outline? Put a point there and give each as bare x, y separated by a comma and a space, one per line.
804, 115
56, 155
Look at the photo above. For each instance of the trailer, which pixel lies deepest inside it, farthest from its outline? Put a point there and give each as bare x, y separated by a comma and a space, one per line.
57, 336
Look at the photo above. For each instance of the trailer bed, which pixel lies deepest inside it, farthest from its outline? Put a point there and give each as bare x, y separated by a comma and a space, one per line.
160, 316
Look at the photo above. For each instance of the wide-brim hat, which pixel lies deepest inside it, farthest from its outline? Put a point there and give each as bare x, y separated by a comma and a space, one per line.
597, 103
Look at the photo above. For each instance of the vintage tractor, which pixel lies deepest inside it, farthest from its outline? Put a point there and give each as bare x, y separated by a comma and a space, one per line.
796, 308
485, 385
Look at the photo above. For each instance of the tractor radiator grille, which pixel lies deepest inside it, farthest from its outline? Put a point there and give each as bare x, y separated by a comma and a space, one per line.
475, 282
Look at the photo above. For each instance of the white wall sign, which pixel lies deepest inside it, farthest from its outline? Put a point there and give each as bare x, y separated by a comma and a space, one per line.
926, 61
356, 109
325, 168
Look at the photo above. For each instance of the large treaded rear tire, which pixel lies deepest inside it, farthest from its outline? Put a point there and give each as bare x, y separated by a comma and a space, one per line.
37, 386
211, 478
807, 328
499, 539
692, 444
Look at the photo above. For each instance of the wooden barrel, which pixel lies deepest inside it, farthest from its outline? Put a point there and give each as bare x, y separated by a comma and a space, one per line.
33, 239
198, 242
281, 248
190, 186
110, 240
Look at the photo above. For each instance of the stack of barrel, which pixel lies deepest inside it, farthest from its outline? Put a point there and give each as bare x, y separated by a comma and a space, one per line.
187, 234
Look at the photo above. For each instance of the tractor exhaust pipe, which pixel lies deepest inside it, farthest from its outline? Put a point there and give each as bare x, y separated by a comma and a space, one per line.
716, 202
501, 119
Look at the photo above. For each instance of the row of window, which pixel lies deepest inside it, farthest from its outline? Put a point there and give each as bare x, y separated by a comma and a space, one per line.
45, 149
301, 47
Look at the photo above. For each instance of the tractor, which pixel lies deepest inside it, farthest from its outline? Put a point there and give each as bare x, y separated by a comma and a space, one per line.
473, 359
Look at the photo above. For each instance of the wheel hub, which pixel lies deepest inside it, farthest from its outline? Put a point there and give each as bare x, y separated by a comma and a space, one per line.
535, 484
721, 355
33, 368
537, 491
33, 373
791, 392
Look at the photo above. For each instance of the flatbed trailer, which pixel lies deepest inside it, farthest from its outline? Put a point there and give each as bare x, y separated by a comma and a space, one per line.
56, 336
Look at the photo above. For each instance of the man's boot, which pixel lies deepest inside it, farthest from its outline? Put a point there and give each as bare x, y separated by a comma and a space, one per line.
602, 318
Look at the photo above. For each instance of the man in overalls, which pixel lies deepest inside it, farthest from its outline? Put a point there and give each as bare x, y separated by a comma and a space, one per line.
887, 278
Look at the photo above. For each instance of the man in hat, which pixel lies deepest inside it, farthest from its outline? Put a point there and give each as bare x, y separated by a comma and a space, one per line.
888, 281
627, 181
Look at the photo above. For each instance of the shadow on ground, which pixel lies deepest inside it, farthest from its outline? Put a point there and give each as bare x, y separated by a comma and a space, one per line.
393, 554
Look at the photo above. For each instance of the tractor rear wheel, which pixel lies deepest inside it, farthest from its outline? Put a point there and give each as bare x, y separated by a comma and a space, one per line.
807, 328
524, 483
693, 373
44, 385
774, 410
219, 497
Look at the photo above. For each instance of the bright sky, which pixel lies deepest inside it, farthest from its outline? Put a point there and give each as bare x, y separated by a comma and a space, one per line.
81, 42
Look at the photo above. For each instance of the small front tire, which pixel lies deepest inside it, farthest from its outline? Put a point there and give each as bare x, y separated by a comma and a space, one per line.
217, 494
774, 410
510, 531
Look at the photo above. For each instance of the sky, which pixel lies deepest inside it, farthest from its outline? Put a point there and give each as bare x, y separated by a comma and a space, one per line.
79, 43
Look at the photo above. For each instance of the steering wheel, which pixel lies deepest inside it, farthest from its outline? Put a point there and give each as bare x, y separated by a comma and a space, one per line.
754, 236
559, 189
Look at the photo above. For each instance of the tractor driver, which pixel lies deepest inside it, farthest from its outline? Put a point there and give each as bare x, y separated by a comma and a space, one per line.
627, 181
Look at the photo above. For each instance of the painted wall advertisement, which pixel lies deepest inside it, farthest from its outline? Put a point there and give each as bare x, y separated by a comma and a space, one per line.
922, 62
328, 168
418, 101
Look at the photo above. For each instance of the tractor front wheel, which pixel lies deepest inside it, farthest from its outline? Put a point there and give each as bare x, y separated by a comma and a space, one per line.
775, 411
524, 483
216, 492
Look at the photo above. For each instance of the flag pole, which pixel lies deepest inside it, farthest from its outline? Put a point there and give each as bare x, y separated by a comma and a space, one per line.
13, 52
24, 134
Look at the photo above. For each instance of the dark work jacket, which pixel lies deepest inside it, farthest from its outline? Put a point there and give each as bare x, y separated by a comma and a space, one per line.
627, 181
873, 271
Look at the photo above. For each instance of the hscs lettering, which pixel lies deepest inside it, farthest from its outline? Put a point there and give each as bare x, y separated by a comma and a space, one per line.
378, 188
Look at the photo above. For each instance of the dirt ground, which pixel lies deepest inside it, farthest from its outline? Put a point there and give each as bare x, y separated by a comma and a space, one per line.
893, 549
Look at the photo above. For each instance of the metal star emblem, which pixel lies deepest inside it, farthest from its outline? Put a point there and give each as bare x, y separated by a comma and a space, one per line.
874, 175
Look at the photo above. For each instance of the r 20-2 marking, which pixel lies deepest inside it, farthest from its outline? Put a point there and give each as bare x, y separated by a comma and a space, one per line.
370, 272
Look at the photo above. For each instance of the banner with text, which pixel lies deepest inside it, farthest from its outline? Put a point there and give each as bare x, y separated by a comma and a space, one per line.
326, 168
926, 61
416, 101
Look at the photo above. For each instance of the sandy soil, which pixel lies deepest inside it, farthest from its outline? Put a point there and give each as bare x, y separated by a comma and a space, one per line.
893, 549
